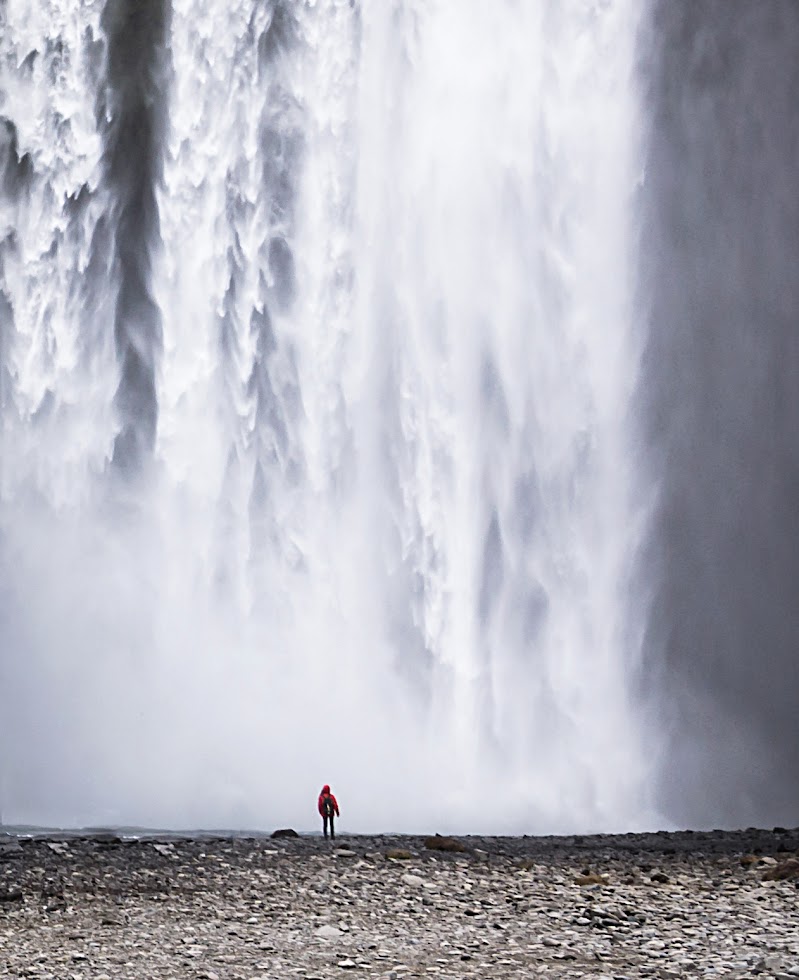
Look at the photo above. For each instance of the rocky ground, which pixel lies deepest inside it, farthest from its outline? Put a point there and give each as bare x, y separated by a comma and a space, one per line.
102, 907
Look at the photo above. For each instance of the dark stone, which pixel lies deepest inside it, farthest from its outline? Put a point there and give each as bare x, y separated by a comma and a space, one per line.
439, 843
783, 871
11, 895
285, 832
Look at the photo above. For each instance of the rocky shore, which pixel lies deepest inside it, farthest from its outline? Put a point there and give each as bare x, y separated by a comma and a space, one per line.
102, 906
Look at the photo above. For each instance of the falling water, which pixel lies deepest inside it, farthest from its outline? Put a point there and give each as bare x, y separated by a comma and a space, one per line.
317, 354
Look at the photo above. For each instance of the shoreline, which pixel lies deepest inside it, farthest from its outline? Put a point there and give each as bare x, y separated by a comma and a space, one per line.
684, 838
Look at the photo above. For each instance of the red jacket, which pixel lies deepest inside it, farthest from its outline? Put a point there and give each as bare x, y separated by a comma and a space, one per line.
326, 792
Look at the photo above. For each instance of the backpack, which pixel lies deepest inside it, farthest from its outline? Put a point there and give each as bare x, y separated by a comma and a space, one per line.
327, 806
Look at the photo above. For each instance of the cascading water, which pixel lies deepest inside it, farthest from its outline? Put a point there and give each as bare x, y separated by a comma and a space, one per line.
316, 359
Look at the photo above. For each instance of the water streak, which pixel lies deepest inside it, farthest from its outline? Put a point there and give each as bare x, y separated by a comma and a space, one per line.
355, 279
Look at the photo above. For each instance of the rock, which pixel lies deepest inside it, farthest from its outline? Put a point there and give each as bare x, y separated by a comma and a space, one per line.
11, 894
52, 888
10, 847
284, 832
439, 843
590, 879
396, 854
222, 904
660, 878
344, 852
347, 964
783, 871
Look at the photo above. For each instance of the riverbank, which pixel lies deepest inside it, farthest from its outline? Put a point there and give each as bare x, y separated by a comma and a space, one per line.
104, 907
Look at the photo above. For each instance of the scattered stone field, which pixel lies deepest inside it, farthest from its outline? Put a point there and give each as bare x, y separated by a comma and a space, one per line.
668, 905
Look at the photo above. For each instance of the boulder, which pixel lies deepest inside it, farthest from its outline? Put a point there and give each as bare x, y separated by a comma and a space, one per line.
590, 879
439, 843
284, 832
783, 871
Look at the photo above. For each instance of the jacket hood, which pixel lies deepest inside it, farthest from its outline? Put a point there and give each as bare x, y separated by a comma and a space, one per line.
325, 790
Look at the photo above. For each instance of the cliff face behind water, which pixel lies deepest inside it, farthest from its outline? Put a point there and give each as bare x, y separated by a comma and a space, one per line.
720, 401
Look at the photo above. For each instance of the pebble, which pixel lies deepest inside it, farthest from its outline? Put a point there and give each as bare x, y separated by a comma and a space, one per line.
224, 908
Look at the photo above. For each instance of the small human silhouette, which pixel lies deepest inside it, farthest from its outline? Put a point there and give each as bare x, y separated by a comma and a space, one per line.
328, 807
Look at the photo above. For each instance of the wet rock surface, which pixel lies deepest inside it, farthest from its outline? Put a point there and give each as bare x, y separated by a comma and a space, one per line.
105, 907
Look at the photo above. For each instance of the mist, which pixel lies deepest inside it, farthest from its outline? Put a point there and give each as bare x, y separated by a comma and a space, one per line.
399, 397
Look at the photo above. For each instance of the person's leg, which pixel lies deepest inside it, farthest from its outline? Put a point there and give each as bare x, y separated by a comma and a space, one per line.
324, 823
332, 828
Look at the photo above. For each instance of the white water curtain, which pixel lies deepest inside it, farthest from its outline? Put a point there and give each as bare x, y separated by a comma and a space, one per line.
383, 535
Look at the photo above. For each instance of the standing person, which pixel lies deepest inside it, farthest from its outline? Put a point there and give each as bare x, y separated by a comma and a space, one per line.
327, 808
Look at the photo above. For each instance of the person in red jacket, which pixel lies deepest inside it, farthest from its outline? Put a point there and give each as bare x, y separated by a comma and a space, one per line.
327, 808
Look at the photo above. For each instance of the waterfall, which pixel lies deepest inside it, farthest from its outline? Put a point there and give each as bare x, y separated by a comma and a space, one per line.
317, 354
